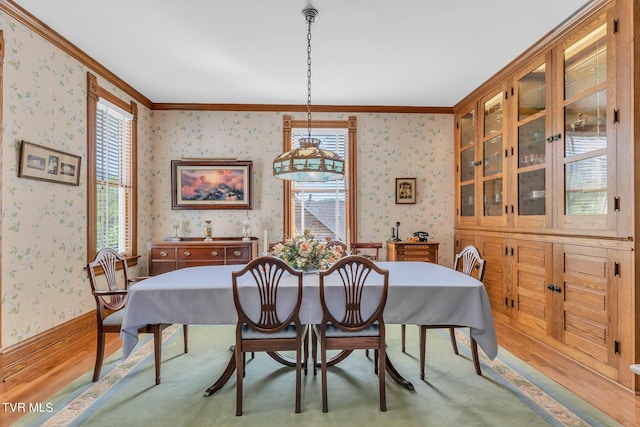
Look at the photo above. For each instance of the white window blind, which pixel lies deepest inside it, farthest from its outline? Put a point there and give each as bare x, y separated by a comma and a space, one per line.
113, 177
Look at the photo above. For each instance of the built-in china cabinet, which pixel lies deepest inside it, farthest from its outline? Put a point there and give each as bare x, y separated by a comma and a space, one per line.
544, 188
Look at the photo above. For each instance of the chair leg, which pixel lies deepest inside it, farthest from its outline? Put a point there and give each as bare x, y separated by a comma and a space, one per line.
376, 356
323, 370
99, 356
298, 378
307, 331
403, 330
157, 350
474, 352
239, 376
244, 364
423, 349
314, 350
381, 377
185, 334
454, 344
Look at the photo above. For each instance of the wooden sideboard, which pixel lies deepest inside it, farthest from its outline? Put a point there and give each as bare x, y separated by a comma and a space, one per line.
413, 251
191, 252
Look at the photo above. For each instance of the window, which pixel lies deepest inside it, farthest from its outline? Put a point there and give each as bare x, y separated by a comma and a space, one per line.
111, 172
327, 209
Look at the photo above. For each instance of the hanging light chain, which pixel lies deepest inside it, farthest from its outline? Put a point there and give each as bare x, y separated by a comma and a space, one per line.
310, 18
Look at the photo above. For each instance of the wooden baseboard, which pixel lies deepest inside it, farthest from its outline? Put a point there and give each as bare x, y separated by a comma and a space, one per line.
32, 357
601, 392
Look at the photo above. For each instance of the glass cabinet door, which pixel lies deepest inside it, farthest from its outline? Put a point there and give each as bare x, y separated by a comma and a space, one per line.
493, 156
531, 161
467, 167
587, 145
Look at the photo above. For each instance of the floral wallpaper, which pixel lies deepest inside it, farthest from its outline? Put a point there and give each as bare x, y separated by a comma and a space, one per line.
44, 224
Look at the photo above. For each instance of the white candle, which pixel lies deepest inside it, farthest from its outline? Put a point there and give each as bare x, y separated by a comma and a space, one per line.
265, 244
348, 240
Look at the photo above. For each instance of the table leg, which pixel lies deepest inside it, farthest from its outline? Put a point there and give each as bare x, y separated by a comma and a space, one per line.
228, 371
395, 375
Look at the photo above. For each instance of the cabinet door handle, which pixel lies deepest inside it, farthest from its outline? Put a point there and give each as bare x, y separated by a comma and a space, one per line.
237, 253
550, 287
214, 253
163, 253
187, 253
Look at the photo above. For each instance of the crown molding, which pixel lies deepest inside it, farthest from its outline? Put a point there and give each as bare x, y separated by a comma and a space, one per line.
294, 108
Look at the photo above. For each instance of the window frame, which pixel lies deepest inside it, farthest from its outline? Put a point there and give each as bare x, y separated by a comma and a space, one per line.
351, 208
94, 93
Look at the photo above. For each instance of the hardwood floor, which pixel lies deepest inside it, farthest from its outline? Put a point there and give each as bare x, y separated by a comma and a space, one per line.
62, 368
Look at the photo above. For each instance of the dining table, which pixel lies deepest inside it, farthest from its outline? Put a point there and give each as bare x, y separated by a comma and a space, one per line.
419, 293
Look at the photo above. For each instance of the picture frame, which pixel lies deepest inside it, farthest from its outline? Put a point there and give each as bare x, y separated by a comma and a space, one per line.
211, 184
405, 191
46, 164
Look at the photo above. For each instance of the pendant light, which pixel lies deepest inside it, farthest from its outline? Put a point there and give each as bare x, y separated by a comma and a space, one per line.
309, 162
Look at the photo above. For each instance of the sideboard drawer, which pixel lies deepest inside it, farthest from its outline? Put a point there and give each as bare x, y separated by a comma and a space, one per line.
163, 254
237, 254
413, 251
213, 253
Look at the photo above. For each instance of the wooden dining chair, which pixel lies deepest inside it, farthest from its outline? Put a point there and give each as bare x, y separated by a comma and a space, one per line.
353, 326
369, 250
264, 322
110, 281
469, 262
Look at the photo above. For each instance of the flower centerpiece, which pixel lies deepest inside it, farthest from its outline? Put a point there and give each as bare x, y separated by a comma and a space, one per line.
306, 253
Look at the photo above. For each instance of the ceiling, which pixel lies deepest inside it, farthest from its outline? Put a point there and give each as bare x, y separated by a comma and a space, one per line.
364, 52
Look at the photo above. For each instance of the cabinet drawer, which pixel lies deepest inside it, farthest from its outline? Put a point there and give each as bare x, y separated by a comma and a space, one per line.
215, 253
159, 267
238, 255
427, 257
163, 253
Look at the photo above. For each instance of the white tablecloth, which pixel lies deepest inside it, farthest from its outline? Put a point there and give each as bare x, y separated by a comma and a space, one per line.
419, 293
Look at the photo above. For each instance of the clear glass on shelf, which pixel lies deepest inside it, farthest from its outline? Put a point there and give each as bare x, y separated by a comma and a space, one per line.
492, 152
531, 143
467, 165
467, 202
493, 197
532, 93
586, 63
532, 193
467, 129
493, 115
585, 127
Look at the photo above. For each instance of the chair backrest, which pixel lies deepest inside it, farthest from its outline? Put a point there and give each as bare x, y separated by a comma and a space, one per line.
265, 272
108, 275
339, 246
469, 260
355, 274
369, 250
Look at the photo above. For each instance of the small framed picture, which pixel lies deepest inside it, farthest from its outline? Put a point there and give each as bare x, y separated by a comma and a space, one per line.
405, 191
47, 164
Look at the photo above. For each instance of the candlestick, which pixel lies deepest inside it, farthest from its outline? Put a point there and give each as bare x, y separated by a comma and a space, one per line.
265, 245
348, 241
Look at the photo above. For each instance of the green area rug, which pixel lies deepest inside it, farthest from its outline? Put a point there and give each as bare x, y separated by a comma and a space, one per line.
509, 392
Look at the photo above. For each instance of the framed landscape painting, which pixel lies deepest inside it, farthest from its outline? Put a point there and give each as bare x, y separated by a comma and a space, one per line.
210, 184
47, 164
